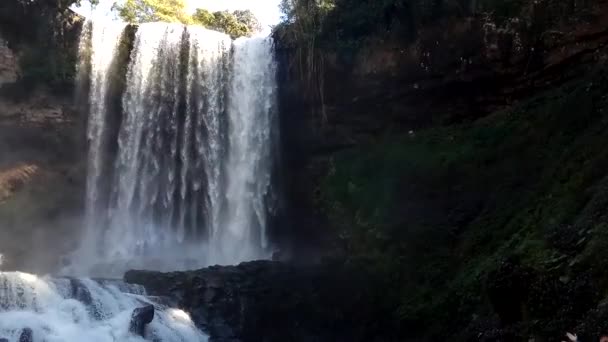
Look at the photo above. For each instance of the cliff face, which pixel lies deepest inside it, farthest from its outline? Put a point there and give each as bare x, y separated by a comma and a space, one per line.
467, 166
42, 166
457, 71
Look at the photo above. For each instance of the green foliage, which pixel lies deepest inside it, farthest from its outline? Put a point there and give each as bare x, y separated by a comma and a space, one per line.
348, 24
247, 18
436, 210
227, 22
142, 11
44, 32
55, 68
236, 24
204, 17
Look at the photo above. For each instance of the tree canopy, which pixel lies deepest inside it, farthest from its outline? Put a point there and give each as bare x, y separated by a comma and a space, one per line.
142, 11
237, 24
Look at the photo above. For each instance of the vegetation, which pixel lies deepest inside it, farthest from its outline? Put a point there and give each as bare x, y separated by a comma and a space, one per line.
236, 24
45, 33
439, 211
349, 23
239, 23
141, 11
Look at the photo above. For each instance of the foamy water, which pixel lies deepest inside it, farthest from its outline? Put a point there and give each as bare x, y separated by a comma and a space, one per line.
71, 310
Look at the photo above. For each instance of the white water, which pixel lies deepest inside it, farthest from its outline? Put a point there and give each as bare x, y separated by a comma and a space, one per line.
249, 158
181, 180
108, 35
190, 182
64, 310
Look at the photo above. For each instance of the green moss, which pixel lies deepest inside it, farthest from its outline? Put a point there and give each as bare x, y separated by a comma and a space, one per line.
450, 202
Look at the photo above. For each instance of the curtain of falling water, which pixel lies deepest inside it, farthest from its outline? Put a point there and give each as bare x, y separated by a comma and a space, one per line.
250, 112
98, 44
190, 180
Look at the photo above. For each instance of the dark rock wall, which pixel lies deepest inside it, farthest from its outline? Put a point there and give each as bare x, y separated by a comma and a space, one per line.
270, 301
466, 167
42, 137
456, 71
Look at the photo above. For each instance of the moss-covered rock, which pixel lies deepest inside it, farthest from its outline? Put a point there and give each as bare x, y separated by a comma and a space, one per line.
439, 210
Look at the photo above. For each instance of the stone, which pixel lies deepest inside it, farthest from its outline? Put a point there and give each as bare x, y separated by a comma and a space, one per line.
27, 335
140, 318
80, 292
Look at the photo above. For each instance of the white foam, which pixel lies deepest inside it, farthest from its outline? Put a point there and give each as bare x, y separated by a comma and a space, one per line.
46, 306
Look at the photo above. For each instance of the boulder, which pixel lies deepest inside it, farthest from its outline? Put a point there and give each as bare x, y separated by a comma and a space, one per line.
27, 335
140, 318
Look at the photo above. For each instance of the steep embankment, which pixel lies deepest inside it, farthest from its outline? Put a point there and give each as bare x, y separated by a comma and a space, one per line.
467, 167
42, 148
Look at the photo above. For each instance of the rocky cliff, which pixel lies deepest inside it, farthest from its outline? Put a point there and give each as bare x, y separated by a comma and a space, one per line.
42, 157
272, 301
456, 71
466, 165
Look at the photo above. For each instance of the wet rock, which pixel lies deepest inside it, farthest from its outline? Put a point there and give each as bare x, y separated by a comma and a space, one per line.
27, 335
3, 339
80, 292
140, 318
269, 301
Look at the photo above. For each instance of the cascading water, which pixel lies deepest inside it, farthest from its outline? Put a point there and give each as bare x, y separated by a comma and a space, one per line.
106, 36
182, 178
66, 310
180, 132
249, 157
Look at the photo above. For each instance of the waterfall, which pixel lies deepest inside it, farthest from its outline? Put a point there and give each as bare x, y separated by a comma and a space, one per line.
67, 309
179, 170
248, 167
105, 37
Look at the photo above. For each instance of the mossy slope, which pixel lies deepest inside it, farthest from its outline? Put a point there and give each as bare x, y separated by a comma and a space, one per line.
460, 217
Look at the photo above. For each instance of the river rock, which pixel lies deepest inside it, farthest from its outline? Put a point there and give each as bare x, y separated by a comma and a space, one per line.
27, 335
140, 318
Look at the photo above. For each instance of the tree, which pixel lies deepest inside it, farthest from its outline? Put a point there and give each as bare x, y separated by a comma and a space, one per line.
204, 17
142, 11
236, 24
227, 22
248, 18
43, 32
